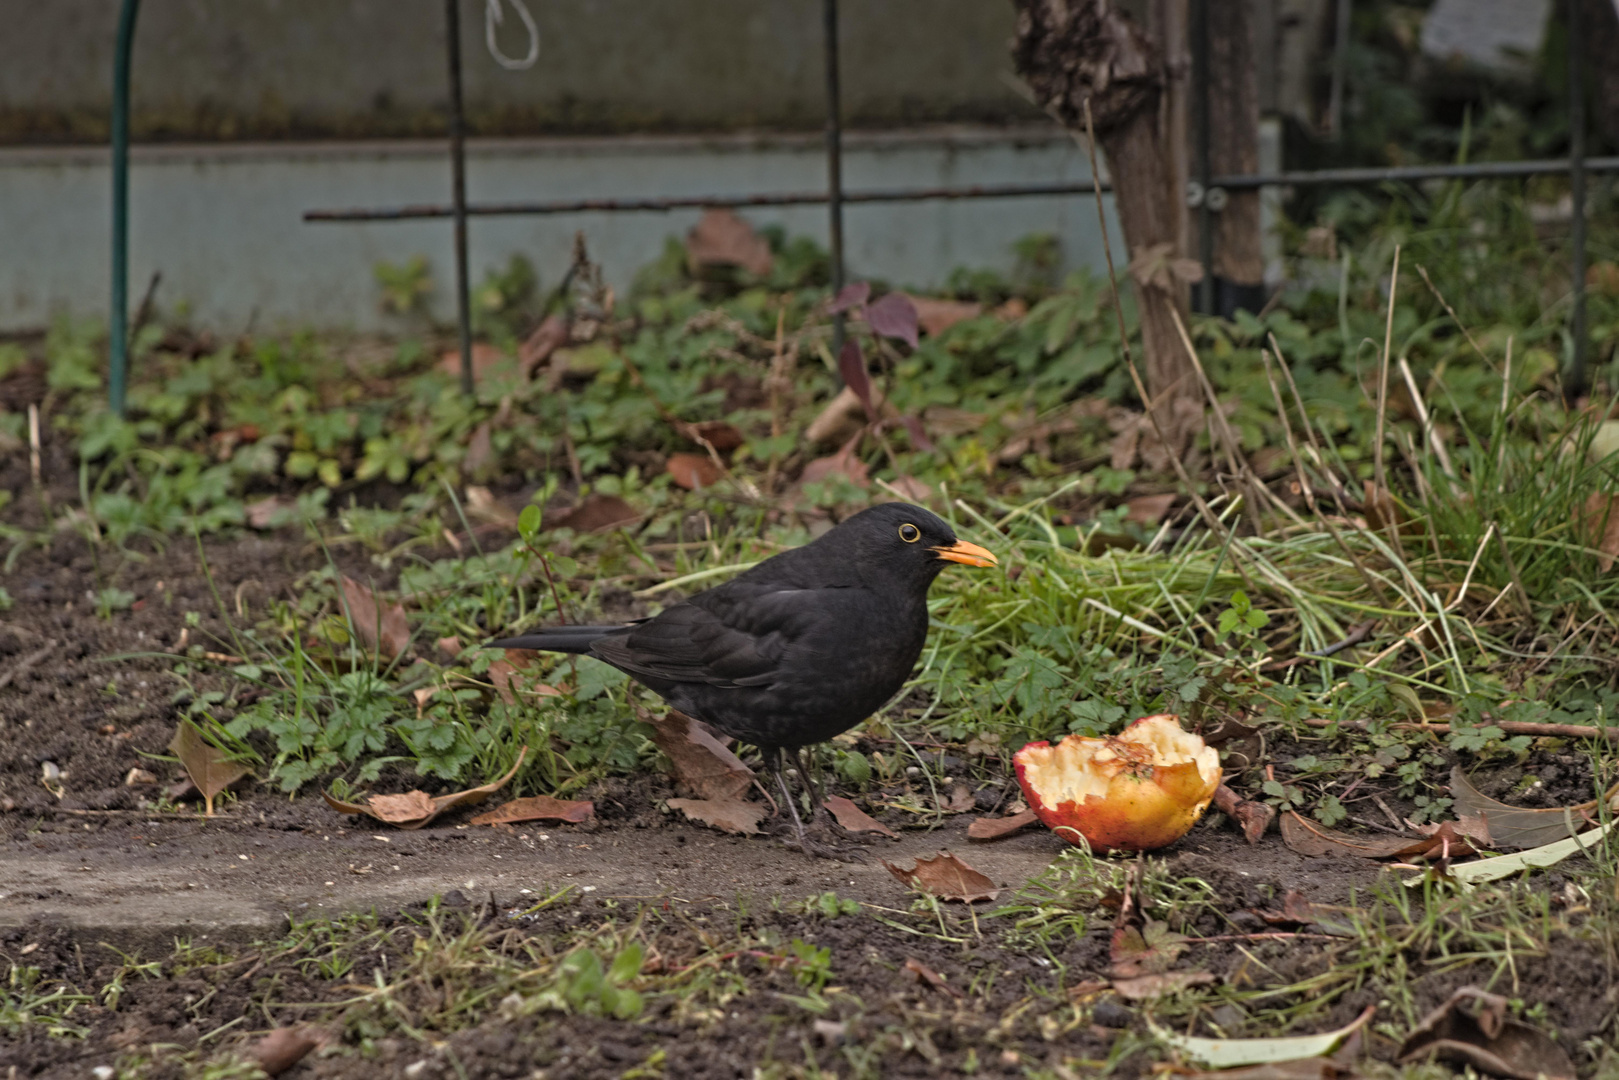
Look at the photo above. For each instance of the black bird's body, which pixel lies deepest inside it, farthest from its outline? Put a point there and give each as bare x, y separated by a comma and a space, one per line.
799, 648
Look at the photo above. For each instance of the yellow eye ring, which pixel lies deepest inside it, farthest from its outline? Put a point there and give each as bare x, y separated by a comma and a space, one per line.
909, 533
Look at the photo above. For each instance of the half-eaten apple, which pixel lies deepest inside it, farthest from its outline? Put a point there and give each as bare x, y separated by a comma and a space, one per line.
1139, 790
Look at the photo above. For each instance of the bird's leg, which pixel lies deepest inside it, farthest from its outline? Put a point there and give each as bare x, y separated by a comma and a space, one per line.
772, 756
806, 758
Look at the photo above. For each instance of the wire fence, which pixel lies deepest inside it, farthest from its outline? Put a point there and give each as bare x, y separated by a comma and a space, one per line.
1206, 193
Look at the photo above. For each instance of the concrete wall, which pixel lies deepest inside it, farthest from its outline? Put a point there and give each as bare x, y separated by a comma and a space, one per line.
236, 69
223, 224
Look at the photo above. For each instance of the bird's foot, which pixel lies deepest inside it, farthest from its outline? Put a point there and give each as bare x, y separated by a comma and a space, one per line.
814, 840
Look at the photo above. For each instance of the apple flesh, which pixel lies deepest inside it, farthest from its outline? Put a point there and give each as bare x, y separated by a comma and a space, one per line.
1139, 790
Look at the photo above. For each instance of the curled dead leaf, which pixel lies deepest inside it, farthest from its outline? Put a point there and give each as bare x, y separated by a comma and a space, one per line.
721, 238
945, 876
925, 974
597, 513
211, 770
733, 815
853, 819
538, 808
1472, 1028
381, 628
985, 829
693, 471
414, 809
699, 762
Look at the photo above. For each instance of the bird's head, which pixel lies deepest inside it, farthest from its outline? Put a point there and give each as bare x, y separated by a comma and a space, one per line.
902, 542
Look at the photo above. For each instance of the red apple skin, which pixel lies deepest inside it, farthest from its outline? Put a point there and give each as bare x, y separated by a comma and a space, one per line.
1138, 812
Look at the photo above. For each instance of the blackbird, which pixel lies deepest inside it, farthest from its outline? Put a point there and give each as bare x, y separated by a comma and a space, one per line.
799, 648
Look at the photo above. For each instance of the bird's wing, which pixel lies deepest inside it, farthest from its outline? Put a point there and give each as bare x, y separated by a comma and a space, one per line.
724, 637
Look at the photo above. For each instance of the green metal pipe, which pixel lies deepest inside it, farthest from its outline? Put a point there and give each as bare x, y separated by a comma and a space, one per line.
118, 329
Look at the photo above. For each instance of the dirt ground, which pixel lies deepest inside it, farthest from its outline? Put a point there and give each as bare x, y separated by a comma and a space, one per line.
92, 871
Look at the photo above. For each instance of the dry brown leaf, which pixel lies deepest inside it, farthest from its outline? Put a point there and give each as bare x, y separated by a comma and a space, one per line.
1144, 987
381, 629
693, 471
394, 809
719, 434
597, 513
449, 646
1516, 828
1149, 509
947, 877
721, 238
1473, 1028
503, 674
261, 513
546, 339
853, 819
986, 828
911, 488
732, 815
482, 504
538, 808
845, 415
959, 801
281, 1049
1308, 838
925, 974
1601, 523
210, 769
842, 462
935, 316
480, 449
700, 763
484, 357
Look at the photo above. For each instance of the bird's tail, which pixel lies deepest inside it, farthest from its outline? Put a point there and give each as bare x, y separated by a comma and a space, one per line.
563, 639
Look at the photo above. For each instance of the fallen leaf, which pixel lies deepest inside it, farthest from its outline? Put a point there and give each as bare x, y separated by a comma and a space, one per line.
1312, 840
1144, 987
894, 316
1149, 509
935, 316
449, 646
480, 449
1472, 1028
945, 876
268, 513
841, 463
719, 434
383, 630
853, 819
925, 974
986, 828
484, 357
281, 1049
959, 801
701, 764
852, 368
853, 295
538, 808
845, 416
211, 770
1231, 1053
546, 339
693, 471
732, 815
503, 673
721, 238
1513, 828
911, 489
413, 809
597, 513
482, 504
1551, 854
1150, 950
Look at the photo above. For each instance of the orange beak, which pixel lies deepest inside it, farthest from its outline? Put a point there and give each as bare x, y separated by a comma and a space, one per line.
966, 554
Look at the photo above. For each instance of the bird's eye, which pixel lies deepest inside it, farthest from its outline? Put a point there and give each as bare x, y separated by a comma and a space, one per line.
909, 533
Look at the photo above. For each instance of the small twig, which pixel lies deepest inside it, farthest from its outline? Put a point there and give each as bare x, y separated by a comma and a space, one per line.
1357, 634
22, 666
1427, 421
1457, 319
1383, 377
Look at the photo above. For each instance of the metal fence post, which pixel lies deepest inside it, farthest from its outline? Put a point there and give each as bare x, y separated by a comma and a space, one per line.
1575, 383
118, 322
458, 191
834, 163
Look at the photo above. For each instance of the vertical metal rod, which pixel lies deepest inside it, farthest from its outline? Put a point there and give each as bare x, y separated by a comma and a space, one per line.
834, 162
118, 323
1205, 172
1340, 69
458, 191
1574, 385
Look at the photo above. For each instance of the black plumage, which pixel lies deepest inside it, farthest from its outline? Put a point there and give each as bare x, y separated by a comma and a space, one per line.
799, 648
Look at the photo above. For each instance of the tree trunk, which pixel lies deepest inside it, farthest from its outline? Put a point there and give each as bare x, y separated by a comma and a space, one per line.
1239, 258
1071, 52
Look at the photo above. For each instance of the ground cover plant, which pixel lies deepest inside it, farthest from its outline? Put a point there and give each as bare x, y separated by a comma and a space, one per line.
1390, 558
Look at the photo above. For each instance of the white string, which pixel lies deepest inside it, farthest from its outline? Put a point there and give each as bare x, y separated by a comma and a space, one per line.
493, 17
